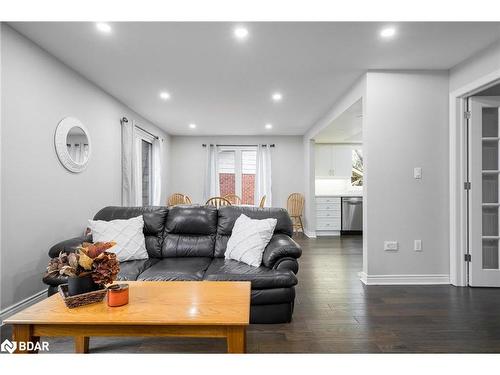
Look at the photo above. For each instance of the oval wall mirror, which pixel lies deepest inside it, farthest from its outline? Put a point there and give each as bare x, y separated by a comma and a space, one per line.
73, 146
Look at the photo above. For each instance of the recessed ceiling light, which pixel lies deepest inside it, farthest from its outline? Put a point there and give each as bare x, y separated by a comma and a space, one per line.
268, 126
277, 96
164, 95
240, 33
388, 32
192, 126
103, 27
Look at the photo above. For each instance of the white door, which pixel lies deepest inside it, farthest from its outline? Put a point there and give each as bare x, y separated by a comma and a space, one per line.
484, 202
323, 160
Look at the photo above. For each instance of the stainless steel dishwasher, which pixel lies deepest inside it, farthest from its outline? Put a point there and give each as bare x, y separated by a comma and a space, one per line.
352, 215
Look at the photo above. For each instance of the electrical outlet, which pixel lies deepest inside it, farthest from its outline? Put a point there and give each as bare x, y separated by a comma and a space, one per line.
391, 245
417, 245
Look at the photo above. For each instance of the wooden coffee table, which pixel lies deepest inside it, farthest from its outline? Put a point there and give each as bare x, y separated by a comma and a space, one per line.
156, 308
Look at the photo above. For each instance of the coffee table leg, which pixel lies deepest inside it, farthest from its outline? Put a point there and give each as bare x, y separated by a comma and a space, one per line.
22, 333
81, 344
236, 339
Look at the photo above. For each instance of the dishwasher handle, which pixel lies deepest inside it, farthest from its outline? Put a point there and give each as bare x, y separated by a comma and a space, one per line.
356, 200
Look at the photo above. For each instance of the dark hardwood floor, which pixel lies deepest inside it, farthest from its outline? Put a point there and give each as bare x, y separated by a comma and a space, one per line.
336, 313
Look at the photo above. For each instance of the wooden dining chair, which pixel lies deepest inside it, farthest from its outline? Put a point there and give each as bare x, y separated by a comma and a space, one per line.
295, 208
218, 202
233, 198
262, 201
178, 198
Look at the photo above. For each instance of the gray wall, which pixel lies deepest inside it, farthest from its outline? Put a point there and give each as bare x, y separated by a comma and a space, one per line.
406, 126
187, 160
42, 203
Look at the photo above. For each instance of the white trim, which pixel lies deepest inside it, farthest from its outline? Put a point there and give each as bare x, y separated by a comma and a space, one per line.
404, 279
328, 233
21, 305
457, 161
310, 234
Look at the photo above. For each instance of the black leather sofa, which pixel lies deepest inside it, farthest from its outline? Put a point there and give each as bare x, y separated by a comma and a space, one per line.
188, 243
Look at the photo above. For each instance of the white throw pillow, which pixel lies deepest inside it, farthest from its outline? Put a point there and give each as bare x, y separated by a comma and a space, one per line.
249, 239
128, 235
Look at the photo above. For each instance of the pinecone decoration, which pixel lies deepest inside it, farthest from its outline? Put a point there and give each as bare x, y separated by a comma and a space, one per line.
105, 268
64, 264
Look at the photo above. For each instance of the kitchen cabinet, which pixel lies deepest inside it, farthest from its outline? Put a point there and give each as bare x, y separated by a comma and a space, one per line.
328, 216
333, 160
324, 160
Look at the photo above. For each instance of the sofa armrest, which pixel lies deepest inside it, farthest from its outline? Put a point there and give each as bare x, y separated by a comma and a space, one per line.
68, 246
280, 246
287, 264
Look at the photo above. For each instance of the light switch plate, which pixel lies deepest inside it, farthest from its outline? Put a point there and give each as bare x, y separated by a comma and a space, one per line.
417, 245
417, 173
391, 245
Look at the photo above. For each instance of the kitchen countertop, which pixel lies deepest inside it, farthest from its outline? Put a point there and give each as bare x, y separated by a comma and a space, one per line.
346, 194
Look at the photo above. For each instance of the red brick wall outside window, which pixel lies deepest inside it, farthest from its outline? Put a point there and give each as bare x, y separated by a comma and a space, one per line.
227, 185
248, 188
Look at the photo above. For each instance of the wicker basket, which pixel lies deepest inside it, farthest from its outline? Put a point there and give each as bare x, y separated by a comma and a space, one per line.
81, 299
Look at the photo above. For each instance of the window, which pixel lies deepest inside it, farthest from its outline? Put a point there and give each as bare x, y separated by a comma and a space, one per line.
146, 173
357, 168
144, 167
237, 167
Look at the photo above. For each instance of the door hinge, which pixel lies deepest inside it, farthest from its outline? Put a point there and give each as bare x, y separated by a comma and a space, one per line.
467, 114
467, 185
467, 257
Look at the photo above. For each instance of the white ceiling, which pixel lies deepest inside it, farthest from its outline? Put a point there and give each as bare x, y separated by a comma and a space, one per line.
347, 128
224, 85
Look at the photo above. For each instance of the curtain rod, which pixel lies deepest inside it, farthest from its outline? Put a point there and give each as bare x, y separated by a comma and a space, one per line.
124, 119
145, 131
272, 145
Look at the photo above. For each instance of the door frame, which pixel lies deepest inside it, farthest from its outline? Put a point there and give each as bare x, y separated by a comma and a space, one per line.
458, 174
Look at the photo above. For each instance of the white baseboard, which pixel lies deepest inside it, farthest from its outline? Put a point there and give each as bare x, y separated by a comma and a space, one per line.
404, 279
310, 234
11, 310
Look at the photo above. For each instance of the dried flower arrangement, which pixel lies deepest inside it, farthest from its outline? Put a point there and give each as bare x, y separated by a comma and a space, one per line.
88, 259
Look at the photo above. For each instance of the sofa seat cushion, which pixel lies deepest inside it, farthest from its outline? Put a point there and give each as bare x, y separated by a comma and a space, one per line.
130, 270
177, 269
260, 277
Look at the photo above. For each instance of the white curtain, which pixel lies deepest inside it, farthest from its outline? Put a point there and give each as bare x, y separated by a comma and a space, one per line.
157, 171
75, 152
136, 196
211, 188
263, 175
129, 156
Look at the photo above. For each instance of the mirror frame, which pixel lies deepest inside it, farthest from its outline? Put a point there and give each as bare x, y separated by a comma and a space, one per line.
60, 142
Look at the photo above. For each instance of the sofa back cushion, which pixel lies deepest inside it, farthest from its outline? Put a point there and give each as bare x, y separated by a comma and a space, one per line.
154, 223
190, 232
229, 214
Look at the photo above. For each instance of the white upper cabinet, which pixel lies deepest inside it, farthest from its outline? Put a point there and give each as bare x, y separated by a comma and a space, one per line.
342, 160
324, 160
333, 160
